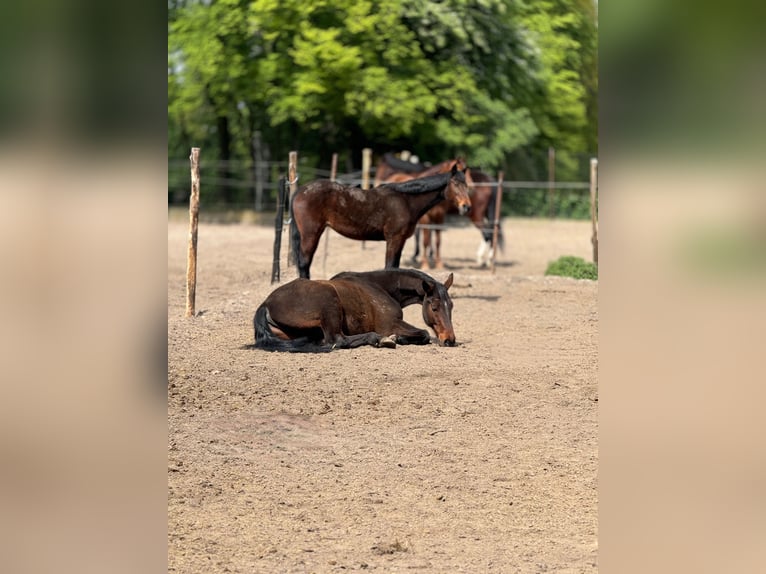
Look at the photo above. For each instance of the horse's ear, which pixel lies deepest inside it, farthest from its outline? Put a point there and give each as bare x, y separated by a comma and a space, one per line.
428, 289
448, 282
454, 168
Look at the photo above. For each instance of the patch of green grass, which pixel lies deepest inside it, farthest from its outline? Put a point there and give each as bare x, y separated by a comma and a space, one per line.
576, 267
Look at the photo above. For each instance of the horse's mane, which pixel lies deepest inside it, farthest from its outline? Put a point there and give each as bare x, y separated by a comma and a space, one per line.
402, 165
425, 184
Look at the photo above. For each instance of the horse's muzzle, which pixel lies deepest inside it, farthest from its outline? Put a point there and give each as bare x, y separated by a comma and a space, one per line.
464, 209
447, 343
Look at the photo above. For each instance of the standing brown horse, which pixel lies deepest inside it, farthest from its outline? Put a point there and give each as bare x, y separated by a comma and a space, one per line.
305, 315
386, 213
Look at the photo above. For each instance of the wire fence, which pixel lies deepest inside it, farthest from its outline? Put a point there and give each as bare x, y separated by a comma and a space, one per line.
238, 184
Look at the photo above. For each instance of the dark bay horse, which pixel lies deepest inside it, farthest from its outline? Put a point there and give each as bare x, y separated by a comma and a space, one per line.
305, 315
410, 286
387, 213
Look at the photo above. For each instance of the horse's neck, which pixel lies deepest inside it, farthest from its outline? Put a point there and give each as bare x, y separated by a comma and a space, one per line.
442, 167
422, 202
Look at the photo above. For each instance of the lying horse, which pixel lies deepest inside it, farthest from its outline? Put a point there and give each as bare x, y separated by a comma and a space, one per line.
305, 315
387, 213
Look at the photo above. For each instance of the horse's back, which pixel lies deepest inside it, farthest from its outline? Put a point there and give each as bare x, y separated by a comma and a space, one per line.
405, 286
301, 302
365, 304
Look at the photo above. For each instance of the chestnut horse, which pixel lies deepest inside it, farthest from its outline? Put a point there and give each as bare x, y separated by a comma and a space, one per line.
387, 213
305, 315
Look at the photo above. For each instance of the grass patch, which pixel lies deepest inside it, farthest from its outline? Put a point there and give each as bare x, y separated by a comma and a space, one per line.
576, 267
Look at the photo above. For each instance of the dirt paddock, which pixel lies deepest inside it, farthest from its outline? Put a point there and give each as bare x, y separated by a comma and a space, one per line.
477, 458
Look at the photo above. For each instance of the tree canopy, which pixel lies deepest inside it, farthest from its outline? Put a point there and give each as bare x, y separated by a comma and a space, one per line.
484, 78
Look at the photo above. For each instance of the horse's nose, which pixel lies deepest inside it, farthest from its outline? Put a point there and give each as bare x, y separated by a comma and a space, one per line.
449, 343
464, 209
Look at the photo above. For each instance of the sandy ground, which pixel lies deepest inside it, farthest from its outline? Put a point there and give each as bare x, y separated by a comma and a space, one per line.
478, 458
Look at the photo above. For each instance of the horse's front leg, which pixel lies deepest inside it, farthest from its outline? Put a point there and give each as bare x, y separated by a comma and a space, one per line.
407, 334
354, 341
394, 248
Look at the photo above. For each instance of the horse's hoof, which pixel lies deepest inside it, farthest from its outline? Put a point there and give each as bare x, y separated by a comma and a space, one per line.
388, 342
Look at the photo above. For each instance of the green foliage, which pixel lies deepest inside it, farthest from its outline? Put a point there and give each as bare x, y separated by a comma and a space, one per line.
493, 80
570, 266
565, 203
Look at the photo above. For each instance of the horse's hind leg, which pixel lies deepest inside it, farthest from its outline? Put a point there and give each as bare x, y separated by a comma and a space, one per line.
438, 249
483, 250
415, 256
332, 328
426, 249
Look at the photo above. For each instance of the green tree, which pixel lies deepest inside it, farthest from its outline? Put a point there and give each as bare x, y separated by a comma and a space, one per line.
494, 80
565, 112
210, 79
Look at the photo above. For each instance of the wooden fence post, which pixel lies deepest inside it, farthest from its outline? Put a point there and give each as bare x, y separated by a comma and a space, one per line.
366, 163
191, 254
551, 180
292, 180
496, 223
594, 206
258, 171
281, 195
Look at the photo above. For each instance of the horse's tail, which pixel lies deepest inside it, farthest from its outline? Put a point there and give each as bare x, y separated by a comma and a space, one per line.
266, 339
491, 214
295, 238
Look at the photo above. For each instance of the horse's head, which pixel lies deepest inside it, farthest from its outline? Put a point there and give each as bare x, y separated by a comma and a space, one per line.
457, 190
437, 310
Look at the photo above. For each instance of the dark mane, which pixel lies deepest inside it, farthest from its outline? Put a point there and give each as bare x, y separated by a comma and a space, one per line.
401, 164
424, 184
